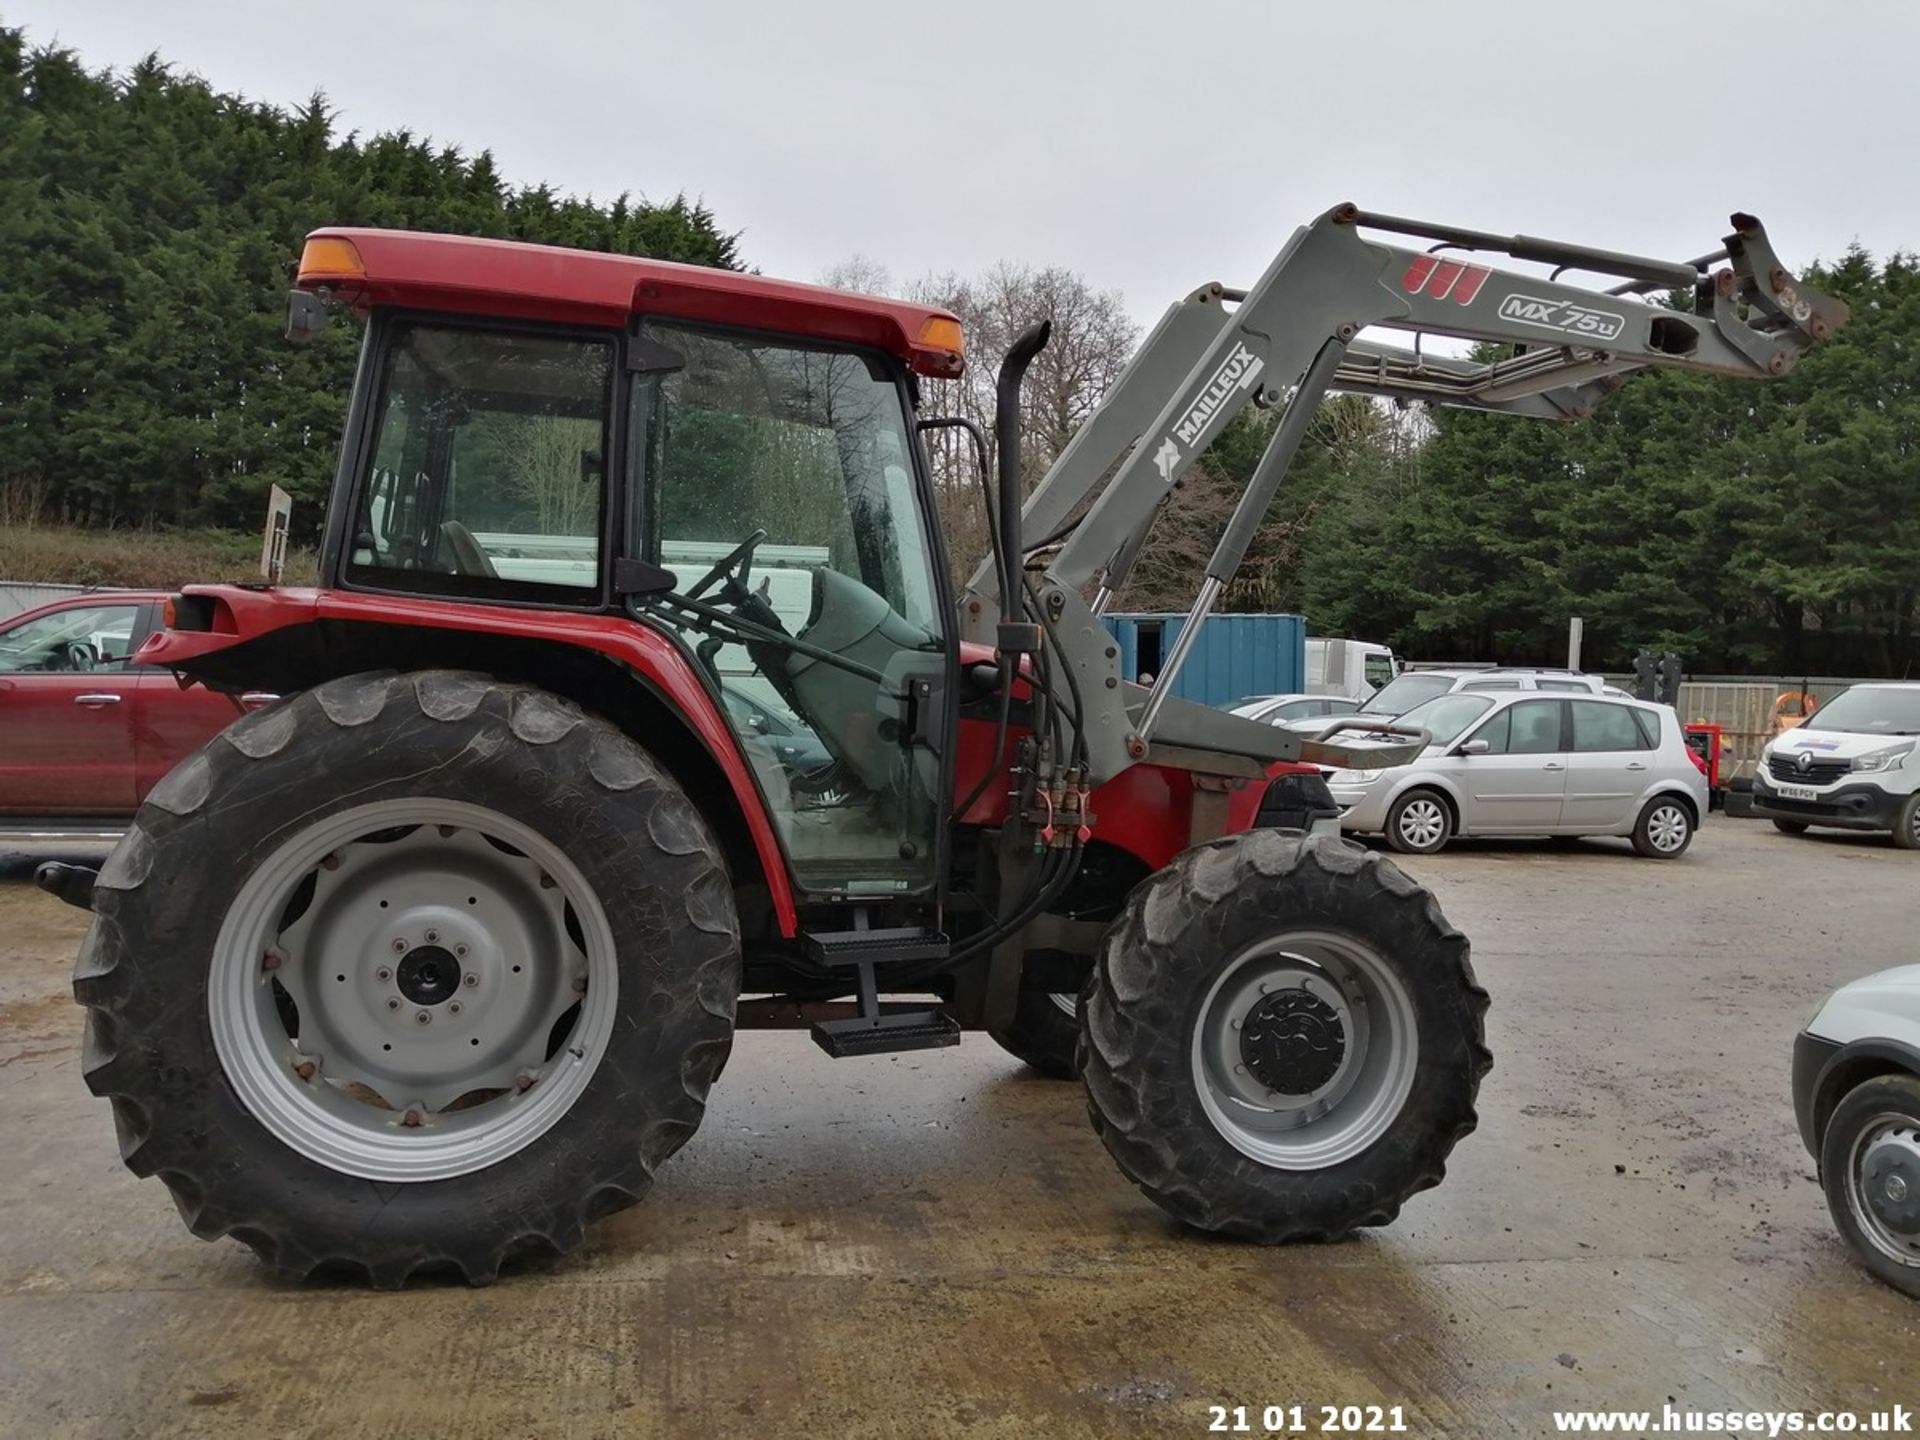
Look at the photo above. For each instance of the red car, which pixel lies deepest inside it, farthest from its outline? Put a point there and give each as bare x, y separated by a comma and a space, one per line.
84, 736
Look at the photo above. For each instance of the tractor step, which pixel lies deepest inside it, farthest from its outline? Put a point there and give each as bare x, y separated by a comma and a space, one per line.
892, 1030
878, 947
878, 1028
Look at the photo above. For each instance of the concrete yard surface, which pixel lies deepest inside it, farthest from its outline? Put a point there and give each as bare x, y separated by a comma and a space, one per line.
937, 1244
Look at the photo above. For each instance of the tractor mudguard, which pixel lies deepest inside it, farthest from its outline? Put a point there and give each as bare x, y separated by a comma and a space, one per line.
212, 622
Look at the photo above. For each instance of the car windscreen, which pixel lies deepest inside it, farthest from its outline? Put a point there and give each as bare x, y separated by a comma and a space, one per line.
1445, 716
1870, 710
1408, 691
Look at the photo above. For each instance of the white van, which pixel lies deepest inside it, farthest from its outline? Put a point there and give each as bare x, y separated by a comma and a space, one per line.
1353, 668
1854, 765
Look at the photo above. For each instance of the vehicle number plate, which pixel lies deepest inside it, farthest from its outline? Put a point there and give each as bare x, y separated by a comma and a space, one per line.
1796, 792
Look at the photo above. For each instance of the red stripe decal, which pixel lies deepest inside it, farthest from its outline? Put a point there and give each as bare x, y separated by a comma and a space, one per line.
1470, 284
1443, 278
1417, 273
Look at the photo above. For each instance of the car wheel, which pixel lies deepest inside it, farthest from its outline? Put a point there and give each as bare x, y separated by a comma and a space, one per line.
1870, 1168
1906, 825
1790, 827
1664, 829
1419, 823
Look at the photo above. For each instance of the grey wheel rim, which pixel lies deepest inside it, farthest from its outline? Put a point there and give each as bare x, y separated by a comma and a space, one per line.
1348, 1049
1883, 1186
1423, 822
1667, 828
451, 979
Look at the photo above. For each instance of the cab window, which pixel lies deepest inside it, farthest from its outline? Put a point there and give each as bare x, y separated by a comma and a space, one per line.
776, 481
487, 475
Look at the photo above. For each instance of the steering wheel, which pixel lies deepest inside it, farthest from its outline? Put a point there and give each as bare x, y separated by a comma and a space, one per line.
78, 655
469, 557
733, 567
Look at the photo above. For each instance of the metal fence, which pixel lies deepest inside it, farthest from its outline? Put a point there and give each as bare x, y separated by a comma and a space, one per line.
1743, 706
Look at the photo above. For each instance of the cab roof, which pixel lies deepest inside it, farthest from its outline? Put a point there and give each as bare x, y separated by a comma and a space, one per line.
513, 279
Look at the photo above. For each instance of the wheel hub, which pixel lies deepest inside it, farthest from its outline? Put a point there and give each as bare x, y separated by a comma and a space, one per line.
1293, 1042
412, 989
429, 975
1304, 1049
1890, 1176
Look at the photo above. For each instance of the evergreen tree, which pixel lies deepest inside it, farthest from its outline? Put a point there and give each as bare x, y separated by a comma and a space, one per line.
147, 227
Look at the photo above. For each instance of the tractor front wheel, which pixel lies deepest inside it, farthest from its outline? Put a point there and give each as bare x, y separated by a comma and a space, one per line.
409, 974
1283, 1039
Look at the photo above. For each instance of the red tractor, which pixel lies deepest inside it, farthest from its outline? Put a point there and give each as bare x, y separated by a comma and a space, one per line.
636, 684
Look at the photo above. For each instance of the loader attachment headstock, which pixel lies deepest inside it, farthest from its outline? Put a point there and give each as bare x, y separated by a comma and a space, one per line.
1294, 335
1575, 345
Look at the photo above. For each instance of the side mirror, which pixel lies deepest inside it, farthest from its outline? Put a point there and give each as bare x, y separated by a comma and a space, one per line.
1473, 747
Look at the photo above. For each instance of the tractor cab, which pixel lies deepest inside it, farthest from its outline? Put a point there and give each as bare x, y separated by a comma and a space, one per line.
757, 495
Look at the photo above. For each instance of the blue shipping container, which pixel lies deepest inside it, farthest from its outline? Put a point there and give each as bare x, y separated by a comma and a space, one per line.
1236, 655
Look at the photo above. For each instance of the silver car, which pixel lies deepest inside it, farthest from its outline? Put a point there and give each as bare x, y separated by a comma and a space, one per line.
1527, 763
1283, 709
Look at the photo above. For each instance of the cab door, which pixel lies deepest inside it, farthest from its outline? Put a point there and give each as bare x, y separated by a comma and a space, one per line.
1520, 782
66, 711
781, 483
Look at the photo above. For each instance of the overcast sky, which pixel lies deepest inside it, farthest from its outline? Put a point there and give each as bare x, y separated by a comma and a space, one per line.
1152, 146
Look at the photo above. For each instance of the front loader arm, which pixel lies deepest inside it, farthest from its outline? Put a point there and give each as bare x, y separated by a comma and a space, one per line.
1292, 337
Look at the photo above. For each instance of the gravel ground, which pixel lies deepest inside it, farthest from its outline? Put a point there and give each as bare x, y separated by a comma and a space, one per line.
936, 1243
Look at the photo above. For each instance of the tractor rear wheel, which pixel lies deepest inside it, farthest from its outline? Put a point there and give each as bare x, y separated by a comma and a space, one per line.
1283, 1039
1044, 1032
410, 974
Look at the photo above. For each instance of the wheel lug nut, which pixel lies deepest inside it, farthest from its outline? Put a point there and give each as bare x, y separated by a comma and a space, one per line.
399, 945
432, 936
1239, 1069
453, 1008
423, 1018
383, 974
470, 979
461, 951
394, 1003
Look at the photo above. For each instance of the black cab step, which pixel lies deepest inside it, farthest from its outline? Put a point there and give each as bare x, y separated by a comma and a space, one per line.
894, 1029
879, 1029
878, 947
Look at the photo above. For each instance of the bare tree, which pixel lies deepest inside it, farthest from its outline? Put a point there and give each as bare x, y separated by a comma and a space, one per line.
1092, 339
862, 274
1093, 336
